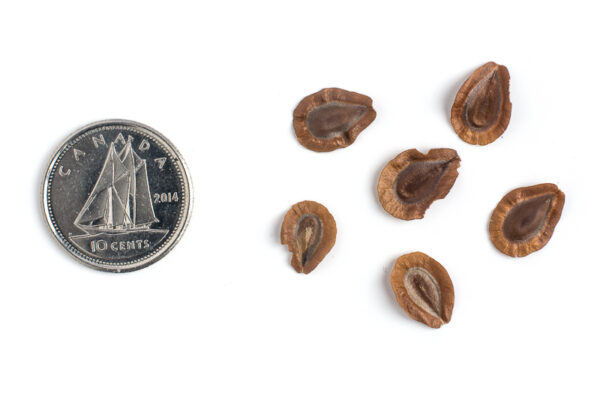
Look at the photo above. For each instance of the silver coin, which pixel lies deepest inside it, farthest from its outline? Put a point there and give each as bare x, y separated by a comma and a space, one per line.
117, 195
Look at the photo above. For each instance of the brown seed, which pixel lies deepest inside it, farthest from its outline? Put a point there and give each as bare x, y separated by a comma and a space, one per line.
524, 220
309, 231
412, 181
332, 118
482, 107
423, 289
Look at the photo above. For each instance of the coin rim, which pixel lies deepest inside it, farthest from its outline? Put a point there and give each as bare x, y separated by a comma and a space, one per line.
134, 266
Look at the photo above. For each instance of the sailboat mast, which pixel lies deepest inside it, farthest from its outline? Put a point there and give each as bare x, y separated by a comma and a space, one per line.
133, 192
109, 220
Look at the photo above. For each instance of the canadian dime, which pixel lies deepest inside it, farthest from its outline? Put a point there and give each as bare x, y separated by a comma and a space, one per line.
117, 195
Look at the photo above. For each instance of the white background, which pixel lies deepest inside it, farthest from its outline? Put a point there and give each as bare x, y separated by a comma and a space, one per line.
224, 316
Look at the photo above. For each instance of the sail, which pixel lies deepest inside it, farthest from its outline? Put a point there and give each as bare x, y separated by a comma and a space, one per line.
144, 210
94, 209
127, 158
94, 212
120, 199
119, 192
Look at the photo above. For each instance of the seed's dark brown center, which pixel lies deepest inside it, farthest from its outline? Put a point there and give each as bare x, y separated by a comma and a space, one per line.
526, 219
423, 290
417, 181
333, 119
482, 108
307, 236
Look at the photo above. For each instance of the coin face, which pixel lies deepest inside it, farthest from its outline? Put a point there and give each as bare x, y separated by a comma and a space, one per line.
117, 195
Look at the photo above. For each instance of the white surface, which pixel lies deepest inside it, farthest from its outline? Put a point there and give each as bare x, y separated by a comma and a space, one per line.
224, 316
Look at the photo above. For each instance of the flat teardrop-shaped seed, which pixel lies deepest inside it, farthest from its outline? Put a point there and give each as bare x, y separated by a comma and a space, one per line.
423, 289
412, 181
309, 231
419, 180
482, 108
481, 111
332, 118
525, 218
307, 236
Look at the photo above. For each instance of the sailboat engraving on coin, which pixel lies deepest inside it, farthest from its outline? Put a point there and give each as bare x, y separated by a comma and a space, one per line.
128, 193
119, 205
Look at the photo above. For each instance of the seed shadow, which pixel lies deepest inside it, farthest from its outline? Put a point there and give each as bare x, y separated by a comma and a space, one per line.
292, 130
277, 227
486, 231
450, 94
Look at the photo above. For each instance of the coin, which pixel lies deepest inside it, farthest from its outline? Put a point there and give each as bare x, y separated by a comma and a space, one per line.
117, 195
